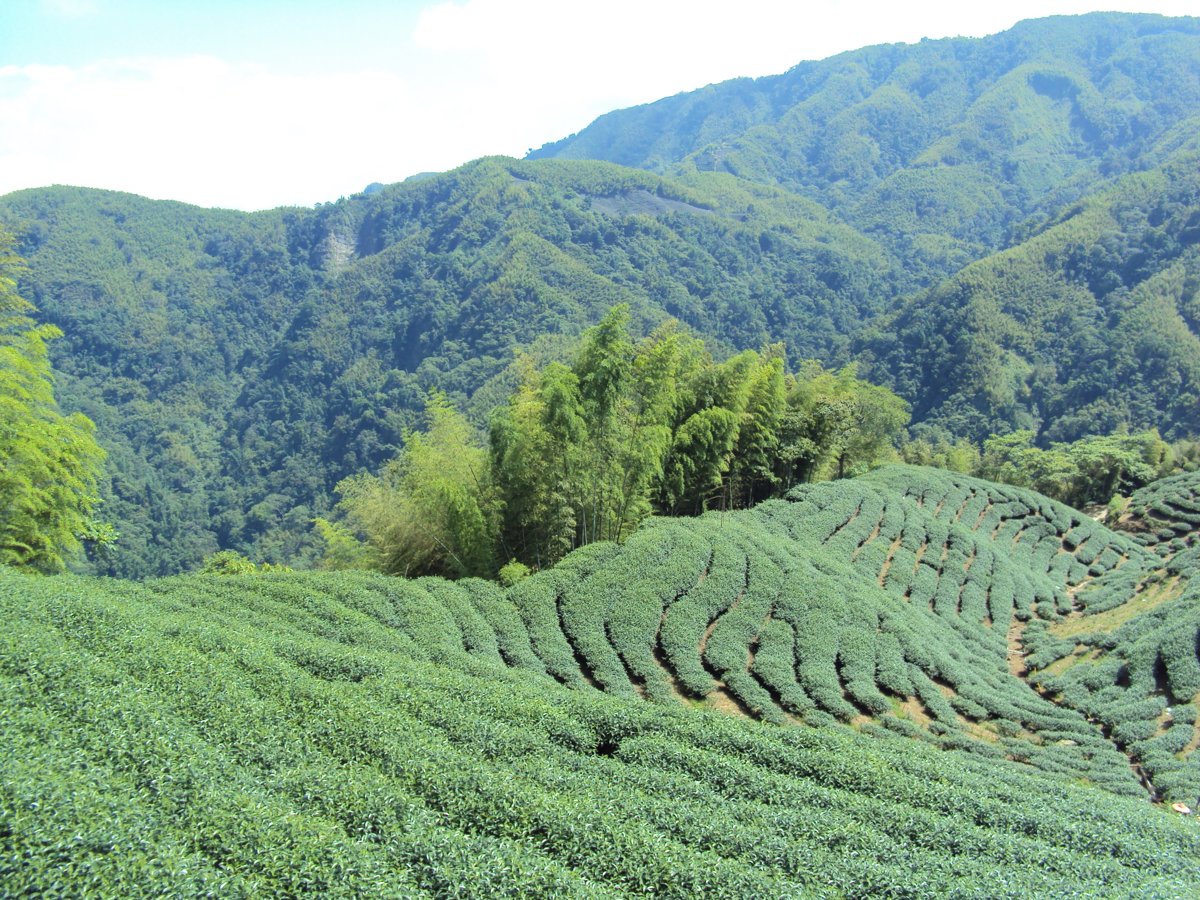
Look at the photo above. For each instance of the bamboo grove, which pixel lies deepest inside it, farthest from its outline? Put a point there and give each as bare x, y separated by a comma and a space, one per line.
584, 452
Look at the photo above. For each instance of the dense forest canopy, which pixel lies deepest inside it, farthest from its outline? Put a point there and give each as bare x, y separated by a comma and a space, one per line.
1086, 327
1000, 230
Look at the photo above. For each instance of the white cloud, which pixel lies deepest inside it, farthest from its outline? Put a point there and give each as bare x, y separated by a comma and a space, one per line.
206, 131
647, 46
621, 49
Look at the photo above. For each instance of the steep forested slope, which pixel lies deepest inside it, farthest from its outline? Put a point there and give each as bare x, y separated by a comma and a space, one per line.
238, 366
1090, 325
938, 148
363, 735
164, 309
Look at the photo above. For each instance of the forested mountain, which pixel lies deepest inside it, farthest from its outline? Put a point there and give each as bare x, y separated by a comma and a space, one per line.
1001, 229
940, 149
1091, 325
240, 365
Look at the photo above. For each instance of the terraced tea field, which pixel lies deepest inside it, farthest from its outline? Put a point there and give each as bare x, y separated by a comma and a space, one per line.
998, 687
1165, 516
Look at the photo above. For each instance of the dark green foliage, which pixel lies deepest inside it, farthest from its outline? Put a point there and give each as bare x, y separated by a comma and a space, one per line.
836, 424
1089, 471
50, 464
240, 366
1035, 338
230, 562
169, 312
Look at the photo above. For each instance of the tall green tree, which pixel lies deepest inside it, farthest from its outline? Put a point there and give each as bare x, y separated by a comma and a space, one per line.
432, 510
49, 463
712, 412
575, 449
603, 366
537, 454
661, 366
752, 475
699, 458
837, 424
1090, 470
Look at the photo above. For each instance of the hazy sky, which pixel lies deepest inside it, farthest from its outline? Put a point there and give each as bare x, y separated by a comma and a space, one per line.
252, 104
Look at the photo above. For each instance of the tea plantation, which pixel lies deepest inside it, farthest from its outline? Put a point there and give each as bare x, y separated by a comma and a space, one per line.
1165, 515
911, 684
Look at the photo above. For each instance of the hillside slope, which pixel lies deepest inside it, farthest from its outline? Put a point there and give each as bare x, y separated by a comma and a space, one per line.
1090, 325
238, 366
1165, 516
1002, 229
360, 735
939, 148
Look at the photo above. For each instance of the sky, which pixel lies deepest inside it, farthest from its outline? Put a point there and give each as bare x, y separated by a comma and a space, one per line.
252, 104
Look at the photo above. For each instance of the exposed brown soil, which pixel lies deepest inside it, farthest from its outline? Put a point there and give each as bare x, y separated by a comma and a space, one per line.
920, 555
962, 507
870, 537
915, 712
977, 730
982, 515
854, 515
1016, 649
723, 701
887, 563
1078, 655
946, 689
752, 647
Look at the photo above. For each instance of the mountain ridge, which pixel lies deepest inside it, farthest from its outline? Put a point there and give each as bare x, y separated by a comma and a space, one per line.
254, 359
855, 130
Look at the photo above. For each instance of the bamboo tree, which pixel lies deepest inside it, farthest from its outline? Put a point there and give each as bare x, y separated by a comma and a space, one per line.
603, 369
432, 509
50, 464
753, 470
